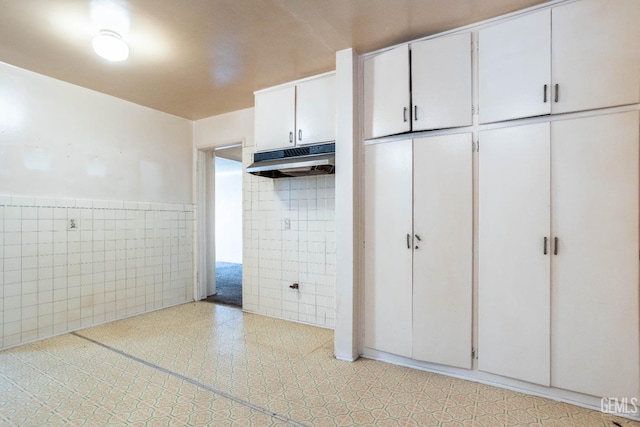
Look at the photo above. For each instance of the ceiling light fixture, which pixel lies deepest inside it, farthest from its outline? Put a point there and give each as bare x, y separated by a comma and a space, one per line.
109, 45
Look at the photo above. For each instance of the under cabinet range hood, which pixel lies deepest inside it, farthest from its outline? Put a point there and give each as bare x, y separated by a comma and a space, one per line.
293, 162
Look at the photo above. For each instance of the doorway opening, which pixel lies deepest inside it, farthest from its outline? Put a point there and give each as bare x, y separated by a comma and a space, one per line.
227, 255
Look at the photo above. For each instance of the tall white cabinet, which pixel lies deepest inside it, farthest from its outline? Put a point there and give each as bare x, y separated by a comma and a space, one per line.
513, 264
558, 254
594, 280
579, 56
388, 219
553, 297
418, 248
442, 249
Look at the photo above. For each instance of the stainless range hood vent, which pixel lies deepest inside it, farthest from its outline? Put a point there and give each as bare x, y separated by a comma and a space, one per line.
294, 162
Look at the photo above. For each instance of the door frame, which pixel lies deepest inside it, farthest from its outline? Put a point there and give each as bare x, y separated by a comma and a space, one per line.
204, 194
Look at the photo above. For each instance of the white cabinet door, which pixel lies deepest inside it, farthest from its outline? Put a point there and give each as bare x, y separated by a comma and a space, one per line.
514, 271
443, 220
595, 322
388, 254
386, 93
596, 54
275, 119
441, 82
316, 110
515, 68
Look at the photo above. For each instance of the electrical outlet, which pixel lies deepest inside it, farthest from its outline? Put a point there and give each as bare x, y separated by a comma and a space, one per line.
287, 224
73, 224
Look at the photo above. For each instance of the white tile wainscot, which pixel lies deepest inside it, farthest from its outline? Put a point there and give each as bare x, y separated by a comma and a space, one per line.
276, 257
124, 258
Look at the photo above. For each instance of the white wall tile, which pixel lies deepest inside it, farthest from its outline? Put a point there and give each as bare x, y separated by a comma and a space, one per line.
55, 280
274, 258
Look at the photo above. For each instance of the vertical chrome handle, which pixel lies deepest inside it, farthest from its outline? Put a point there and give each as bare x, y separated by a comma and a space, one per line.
299, 134
408, 241
555, 246
291, 137
405, 114
545, 246
557, 92
545, 93
415, 113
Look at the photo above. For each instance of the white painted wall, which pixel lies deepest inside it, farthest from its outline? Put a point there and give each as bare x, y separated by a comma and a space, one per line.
61, 140
122, 173
228, 195
225, 129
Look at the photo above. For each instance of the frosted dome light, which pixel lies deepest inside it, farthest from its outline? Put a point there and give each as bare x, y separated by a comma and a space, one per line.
109, 45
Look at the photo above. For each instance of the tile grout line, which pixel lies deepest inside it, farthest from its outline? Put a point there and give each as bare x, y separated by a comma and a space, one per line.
193, 382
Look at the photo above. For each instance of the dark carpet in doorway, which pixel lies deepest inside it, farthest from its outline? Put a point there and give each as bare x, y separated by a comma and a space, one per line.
228, 284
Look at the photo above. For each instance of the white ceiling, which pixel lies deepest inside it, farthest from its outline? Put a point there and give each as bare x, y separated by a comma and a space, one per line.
199, 58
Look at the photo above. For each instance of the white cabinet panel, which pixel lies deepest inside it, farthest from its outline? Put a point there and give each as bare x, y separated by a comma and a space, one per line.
275, 119
514, 271
586, 54
443, 219
596, 54
316, 111
386, 93
595, 323
514, 67
388, 254
441, 82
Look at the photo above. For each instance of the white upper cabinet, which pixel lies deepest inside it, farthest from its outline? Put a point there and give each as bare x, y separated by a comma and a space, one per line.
515, 67
433, 93
275, 118
316, 111
596, 54
441, 82
300, 114
387, 101
579, 56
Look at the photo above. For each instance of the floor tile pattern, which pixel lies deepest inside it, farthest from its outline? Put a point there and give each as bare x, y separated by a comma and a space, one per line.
202, 364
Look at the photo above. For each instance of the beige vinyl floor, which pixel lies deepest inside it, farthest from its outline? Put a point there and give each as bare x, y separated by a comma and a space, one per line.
205, 364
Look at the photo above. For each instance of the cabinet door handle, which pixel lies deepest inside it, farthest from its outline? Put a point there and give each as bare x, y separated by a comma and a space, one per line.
405, 114
408, 241
291, 137
299, 134
545, 246
545, 93
555, 246
415, 113
418, 238
557, 92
